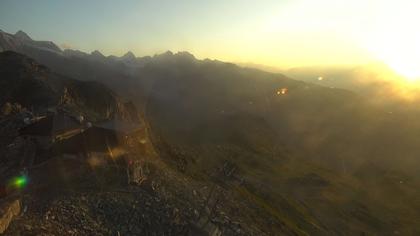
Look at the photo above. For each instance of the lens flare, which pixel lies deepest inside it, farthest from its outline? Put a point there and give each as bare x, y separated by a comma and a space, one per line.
19, 182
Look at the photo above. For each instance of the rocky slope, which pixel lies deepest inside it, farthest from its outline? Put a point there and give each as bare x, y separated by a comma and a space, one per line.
35, 87
294, 158
68, 195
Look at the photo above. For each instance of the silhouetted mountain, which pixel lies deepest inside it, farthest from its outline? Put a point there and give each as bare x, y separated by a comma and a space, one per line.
72, 162
128, 57
34, 86
22, 43
22, 36
97, 55
74, 53
311, 160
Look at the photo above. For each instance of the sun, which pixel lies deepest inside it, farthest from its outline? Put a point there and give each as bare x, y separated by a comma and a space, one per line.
401, 53
404, 64
394, 38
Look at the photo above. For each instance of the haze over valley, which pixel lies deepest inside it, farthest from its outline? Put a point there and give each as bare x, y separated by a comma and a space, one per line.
173, 144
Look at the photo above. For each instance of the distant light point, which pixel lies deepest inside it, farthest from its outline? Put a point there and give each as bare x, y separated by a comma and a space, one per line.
320, 78
282, 91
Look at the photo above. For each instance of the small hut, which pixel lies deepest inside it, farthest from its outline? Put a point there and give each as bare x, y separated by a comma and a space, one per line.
53, 127
101, 137
57, 126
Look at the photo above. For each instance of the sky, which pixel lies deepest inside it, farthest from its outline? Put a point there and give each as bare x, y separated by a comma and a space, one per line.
277, 33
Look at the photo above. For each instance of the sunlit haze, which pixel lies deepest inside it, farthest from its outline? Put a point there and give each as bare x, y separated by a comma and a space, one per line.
281, 34
210, 117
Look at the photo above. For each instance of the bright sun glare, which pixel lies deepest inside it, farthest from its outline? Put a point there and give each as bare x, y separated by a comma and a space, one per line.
361, 31
395, 38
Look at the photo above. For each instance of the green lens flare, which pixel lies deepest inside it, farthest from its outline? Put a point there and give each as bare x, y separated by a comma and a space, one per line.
20, 181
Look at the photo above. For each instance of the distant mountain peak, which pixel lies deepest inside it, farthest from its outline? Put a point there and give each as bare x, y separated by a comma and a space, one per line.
186, 55
129, 56
97, 54
74, 53
22, 35
168, 53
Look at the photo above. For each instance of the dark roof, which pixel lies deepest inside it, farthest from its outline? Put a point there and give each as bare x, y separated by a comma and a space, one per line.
93, 139
64, 122
51, 124
120, 126
42, 127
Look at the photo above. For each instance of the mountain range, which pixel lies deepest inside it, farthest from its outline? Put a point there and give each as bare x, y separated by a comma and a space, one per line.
317, 160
